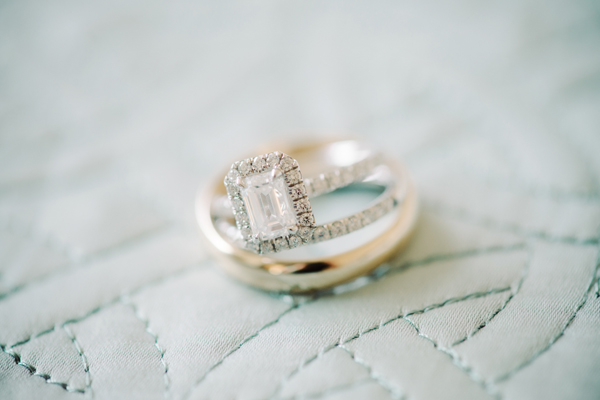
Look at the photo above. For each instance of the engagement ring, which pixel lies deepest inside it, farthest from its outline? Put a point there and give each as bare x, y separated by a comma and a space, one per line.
259, 219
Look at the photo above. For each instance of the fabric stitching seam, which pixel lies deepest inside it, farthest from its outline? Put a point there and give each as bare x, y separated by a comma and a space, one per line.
127, 301
86, 366
197, 383
341, 342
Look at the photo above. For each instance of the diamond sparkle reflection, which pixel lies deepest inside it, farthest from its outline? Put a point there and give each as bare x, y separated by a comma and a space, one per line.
269, 205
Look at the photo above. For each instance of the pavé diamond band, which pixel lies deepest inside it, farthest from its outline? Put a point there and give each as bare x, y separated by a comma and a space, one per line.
267, 209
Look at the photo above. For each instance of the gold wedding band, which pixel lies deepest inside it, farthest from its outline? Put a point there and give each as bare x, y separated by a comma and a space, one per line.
273, 184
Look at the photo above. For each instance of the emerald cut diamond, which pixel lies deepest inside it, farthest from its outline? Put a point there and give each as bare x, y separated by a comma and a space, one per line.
269, 205
269, 202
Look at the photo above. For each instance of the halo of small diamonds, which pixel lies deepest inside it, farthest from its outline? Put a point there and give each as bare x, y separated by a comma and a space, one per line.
278, 165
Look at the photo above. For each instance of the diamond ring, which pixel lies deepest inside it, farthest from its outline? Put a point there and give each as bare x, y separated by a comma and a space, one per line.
266, 209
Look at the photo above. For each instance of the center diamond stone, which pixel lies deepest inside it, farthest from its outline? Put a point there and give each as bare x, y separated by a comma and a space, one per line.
269, 205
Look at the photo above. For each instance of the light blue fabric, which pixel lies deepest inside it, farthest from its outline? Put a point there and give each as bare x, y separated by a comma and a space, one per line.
112, 114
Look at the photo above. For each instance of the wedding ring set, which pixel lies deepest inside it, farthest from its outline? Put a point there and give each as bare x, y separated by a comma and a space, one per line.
260, 224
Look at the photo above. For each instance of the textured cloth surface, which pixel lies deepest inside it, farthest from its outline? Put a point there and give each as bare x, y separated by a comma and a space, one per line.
113, 113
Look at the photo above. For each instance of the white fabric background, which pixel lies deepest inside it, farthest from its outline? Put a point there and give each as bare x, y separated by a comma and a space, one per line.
113, 113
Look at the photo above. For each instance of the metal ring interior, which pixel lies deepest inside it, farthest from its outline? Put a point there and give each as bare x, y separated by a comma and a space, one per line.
273, 273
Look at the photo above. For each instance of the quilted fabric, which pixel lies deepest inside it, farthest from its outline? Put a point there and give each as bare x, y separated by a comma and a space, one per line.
113, 113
